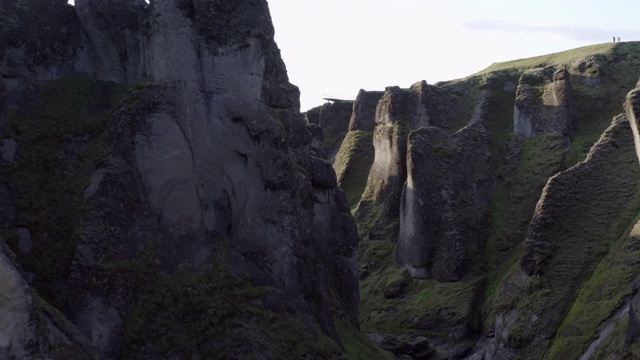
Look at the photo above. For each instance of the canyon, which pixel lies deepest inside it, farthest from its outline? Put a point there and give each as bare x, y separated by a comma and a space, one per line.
163, 197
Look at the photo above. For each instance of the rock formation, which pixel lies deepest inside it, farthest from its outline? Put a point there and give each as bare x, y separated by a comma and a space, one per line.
478, 270
363, 116
334, 118
161, 196
198, 172
632, 108
355, 156
443, 219
27, 323
398, 112
563, 245
544, 103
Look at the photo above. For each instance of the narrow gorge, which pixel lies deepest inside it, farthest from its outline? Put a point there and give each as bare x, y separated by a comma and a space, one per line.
163, 197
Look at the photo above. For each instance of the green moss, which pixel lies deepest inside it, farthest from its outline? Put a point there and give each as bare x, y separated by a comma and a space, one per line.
211, 314
558, 59
590, 205
352, 164
430, 307
61, 142
183, 310
599, 298
616, 345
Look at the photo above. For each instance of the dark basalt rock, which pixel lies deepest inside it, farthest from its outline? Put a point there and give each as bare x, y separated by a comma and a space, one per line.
210, 165
443, 215
544, 103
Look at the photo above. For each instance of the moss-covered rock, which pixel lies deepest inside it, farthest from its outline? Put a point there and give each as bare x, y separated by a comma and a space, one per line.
443, 213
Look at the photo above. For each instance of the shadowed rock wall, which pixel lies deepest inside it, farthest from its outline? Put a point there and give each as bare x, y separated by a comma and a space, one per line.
210, 164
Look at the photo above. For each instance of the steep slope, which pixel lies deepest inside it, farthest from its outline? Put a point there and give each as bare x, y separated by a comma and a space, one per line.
467, 295
173, 203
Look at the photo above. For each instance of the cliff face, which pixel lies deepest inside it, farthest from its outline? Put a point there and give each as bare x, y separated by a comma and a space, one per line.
497, 210
334, 118
544, 103
443, 218
193, 187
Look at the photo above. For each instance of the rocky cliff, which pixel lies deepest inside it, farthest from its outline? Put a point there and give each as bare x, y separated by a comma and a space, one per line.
334, 119
161, 196
168, 197
443, 217
500, 208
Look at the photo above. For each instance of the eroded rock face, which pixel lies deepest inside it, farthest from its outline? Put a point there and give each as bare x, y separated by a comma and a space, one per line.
15, 305
26, 329
398, 111
443, 219
355, 156
543, 103
563, 246
334, 119
115, 37
632, 108
213, 160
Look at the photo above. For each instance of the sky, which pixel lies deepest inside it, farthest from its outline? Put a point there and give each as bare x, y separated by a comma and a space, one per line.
333, 48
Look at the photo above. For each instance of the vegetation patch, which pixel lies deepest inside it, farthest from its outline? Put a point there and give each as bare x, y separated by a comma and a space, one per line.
599, 298
556, 59
60, 143
357, 346
352, 164
217, 314
582, 214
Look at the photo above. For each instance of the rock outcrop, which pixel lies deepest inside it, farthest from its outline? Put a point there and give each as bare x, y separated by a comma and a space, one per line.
443, 214
564, 246
115, 37
632, 108
522, 282
197, 175
398, 112
544, 103
363, 116
28, 326
334, 119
